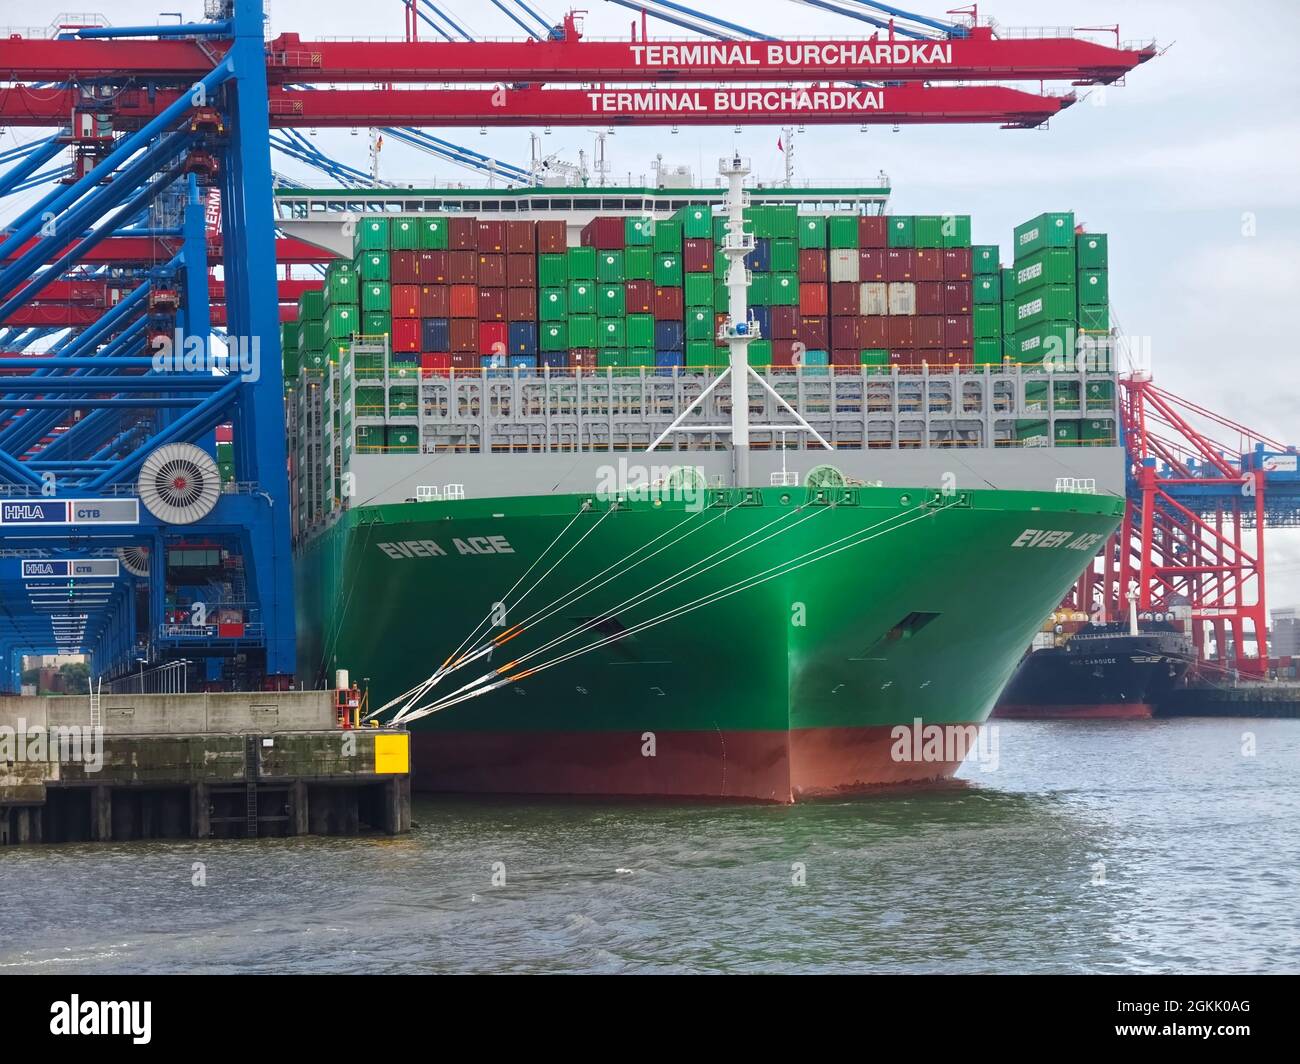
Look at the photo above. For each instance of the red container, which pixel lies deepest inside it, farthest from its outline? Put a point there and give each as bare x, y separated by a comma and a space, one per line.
844, 332
785, 323
432, 267
871, 264
435, 360
521, 238
406, 334
582, 358
462, 234
493, 337
929, 264
491, 237
406, 302
812, 266
846, 356
956, 331
929, 297
464, 335
669, 304
464, 359
435, 301
464, 301
927, 331
697, 256
900, 265
604, 233
899, 331
462, 267
956, 264
873, 231
640, 297
873, 332
814, 333
491, 304
521, 270
404, 267
492, 270
552, 237
814, 299
783, 352
521, 304
956, 297
845, 300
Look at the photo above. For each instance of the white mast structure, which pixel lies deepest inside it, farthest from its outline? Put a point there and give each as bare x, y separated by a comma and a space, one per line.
736, 331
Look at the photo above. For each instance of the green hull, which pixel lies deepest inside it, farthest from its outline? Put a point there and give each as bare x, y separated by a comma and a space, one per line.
787, 688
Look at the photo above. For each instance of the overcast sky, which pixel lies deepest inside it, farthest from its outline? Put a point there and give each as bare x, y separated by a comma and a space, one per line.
1193, 168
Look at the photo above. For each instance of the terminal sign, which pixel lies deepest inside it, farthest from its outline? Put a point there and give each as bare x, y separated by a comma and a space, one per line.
71, 567
43, 513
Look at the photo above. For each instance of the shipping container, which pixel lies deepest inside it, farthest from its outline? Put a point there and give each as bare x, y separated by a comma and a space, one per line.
697, 256
554, 336
404, 300
871, 264
463, 334
696, 222
1091, 251
638, 231
419, 267
341, 322
783, 290
669, 303
521, 270
464, 301
552, 237
987, 352
900, 264
844, 264
609, 267
760, 316
521, 304
987, 288
1053, 341
928, 232
492, 270
812, 231
844, 331
785, 255
462, 234
554, 305
900, 332
604, 233
929, 297
699, 323
957, 264
957, 331
406, 334
491, 304
639, 297
583, 331
669, 336
902, 298
612, 332
379, 322
845, 299
372, 266
814, 331
372, 234
552, 270
582, 299
928, 265
760, 259
523, 337
435, 334
638, 264
1049, 266
1094, 318
668, 237
986, 322
902, 230
873, 231
463, 267
956, 297
668, 270
842, 231
640, 330
375, 296
1053, 302
492, 337
785, 322
874, 331
404, 234
582, 263
699, 289
433, 232
814, 299
873, 298
1093, 288
984, 259
813, 266
611, 300
1047, 230
956, 230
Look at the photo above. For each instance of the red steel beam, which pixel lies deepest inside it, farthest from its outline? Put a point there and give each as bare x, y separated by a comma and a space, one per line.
354, 108
149, 251
981, 56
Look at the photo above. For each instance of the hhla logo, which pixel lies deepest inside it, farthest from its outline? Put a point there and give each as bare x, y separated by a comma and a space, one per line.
132, 1018
180, 353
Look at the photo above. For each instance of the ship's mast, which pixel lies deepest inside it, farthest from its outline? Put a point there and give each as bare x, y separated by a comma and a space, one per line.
737, 330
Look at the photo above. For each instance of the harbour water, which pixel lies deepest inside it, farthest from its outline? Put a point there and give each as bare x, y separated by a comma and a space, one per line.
1157, 846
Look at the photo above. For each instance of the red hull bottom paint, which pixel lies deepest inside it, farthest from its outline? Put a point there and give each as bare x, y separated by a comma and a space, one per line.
1093, 711
770, 766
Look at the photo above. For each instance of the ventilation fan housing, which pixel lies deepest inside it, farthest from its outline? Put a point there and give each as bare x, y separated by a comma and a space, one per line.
179, 483
135, 560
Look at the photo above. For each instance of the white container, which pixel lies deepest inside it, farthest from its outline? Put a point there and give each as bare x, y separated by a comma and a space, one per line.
874, 299
902, 297
844, 265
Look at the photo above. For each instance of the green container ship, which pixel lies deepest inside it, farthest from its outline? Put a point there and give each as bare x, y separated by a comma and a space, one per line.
748, 617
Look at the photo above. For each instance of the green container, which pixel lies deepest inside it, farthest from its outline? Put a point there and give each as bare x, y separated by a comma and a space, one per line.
986, 321
668, 236
987, 288
401, 440
784, 222
341, 322
552, 270
721, 297
1091, 251
1008, 282
1049, 266
611, 301
638, 232
638, 264
552, 304
368, 401
373, 266
874, 356
929, 231
956, 230
785, 255
696, 222
372, 234
641, 330
433, 233
759, 352
702, 353
1052, 230
612, 332
311, 335
376, 295
987, 352
554, 336
1094, 289
1065, 433
1054, 341
1028, 429
902, 231
1100, 393
843, 231
376, 323
668, 269
404, 234
1097, 431
1065, 395
582, 298
609, 267
311, 305
611, 358
984, 259
699, 323
812, 231
760, 290
783, 289
1053, 302
402, 400
1095, 319
720, 263
583, 331
340, 286
582, 263
699, 290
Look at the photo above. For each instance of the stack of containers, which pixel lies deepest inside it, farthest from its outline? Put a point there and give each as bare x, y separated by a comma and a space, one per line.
225, 453
311, 330
986, 306
611, 293
667, 284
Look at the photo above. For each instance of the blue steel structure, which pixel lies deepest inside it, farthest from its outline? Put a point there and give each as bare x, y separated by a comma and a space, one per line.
78, 421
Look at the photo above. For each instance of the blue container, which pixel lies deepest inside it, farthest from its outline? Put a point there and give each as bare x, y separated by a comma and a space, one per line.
815, 363
760, 259
523, 361
435, 335
666, 361
763, 319
670, 336
556, 359
495, 365
523, 338
404, 358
